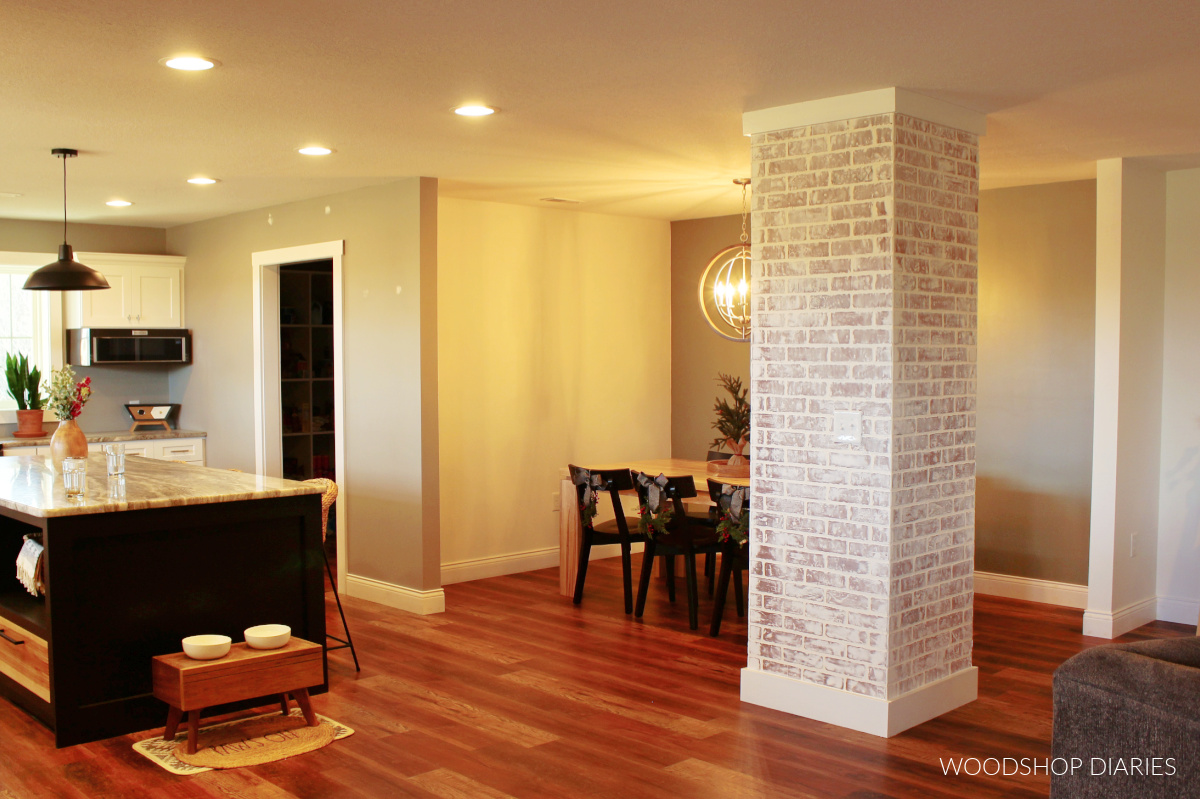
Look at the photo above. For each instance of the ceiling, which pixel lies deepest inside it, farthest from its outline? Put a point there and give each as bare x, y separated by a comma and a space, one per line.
629, 106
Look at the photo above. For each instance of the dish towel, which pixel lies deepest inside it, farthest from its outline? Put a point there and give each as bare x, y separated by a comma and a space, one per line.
28, 563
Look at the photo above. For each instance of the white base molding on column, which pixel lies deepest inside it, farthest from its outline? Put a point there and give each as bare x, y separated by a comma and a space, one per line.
460, 571
1102, 624
1068, 595
396, 596
1178, 610
884, 718
480, 568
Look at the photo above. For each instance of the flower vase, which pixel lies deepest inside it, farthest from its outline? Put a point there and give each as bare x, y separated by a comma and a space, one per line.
68, 441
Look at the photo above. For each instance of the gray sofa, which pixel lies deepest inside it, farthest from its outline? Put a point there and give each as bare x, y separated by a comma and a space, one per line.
1115, 703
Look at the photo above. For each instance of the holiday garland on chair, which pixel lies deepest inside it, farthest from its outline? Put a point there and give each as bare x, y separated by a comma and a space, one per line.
733, 518
653, 514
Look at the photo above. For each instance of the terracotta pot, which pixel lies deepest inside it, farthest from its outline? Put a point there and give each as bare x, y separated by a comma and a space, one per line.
29, 424
68, 441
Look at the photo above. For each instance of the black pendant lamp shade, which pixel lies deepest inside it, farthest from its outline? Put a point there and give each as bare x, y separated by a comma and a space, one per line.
65, 274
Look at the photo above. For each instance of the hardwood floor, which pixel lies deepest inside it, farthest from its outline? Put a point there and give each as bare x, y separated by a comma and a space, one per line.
515, 692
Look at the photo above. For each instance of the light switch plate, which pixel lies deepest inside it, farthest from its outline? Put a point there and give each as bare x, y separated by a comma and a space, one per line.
847, 427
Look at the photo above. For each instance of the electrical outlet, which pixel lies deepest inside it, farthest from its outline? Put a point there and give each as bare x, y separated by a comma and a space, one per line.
847, 427
555, 502
1133, 537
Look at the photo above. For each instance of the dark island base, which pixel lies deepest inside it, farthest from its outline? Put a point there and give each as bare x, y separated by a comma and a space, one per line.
125, 586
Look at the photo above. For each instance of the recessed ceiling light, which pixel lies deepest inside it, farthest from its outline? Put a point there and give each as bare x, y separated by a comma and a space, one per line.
189, 63
119, 203
203, 181
314, 151
10, 194
474, 111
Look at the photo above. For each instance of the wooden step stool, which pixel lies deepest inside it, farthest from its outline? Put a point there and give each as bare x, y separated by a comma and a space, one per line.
188, 685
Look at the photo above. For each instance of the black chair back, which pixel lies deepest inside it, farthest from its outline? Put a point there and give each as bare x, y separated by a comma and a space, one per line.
669, 489
609, 481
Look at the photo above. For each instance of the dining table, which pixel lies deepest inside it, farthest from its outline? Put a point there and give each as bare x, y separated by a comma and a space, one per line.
570, 533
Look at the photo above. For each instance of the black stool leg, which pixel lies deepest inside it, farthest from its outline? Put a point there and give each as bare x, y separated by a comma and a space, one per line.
644, 581
722, 592
349, 642
669, 562
710, 570
585, 553
737, 585
627, 575
689, 563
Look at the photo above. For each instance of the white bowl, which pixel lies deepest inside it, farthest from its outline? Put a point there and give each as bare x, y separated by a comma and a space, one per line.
206, 647
268, 636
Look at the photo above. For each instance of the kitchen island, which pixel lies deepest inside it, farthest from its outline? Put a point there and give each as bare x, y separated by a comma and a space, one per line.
134, 566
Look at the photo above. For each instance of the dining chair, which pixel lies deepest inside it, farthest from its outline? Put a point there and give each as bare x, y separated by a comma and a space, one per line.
329, 493
732, 516
621, 529
669, 532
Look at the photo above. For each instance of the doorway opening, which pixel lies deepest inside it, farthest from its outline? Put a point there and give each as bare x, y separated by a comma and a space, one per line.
299, 396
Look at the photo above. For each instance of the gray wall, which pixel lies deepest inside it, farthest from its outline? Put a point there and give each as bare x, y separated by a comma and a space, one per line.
391, 486
697, 352
1037, 264
24, 235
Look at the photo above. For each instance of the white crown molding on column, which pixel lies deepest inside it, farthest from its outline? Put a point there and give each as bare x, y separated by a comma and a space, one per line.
864, 104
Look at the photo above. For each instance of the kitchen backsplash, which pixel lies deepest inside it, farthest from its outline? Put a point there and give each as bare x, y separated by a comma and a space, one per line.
112, 387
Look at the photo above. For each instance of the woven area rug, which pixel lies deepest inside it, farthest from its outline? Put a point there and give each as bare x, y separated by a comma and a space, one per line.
244, 742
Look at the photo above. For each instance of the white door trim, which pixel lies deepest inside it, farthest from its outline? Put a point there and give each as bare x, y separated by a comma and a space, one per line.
268, 454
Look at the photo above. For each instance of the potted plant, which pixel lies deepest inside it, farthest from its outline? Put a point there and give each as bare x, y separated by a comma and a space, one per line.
733, 425
67, 399
25, 386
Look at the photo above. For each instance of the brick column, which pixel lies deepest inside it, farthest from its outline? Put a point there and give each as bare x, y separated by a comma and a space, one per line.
862, 551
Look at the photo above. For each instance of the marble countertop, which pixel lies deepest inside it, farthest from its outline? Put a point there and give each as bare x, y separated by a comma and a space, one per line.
29, 484
102, 438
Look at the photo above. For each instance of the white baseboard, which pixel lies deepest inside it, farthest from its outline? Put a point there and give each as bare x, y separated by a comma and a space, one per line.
884, 718
1102, 624
1178, 610
479, 568
1049, 592
460, 571
396, 596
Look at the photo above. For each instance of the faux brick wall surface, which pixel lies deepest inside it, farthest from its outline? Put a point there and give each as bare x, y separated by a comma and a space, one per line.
865, 299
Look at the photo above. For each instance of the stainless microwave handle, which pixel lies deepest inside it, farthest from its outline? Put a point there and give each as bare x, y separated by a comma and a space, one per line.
95, 350
184, 341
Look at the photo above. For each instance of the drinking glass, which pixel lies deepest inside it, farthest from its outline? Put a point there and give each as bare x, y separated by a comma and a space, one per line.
116, 488
114, 456
74, 472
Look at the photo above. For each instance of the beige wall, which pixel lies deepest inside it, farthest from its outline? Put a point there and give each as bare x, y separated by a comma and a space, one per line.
24, 235
1179, 496
390, 336
698, 354
554, 336
1037, 250
1130, 268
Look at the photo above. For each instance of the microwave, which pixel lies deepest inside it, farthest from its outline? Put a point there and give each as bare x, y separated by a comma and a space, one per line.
96, 346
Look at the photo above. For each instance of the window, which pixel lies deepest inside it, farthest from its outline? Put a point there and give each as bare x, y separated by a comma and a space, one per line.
25, 323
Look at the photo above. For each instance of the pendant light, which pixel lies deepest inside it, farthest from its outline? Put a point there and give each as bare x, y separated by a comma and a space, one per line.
65, 274
725, 284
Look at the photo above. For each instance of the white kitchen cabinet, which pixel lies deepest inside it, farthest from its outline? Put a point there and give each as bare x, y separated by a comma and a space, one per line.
189, 450
146, 291
142, 448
